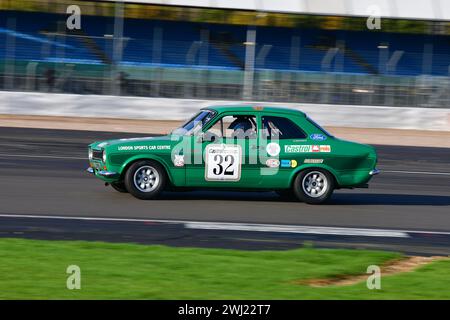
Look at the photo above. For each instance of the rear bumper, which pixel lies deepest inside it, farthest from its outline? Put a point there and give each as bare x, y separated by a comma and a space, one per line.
356, 178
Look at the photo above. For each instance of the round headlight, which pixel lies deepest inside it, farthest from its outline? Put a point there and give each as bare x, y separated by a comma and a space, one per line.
90, 154
104, 156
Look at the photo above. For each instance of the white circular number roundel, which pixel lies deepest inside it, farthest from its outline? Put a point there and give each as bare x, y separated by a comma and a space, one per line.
273, 149
223, 162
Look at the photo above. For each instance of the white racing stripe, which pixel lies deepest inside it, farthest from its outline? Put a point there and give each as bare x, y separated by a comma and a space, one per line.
320, 230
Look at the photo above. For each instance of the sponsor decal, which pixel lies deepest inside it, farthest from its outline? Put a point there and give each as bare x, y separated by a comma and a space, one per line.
302, 148
288, 163
313, 161
293, 163
273, 149
318, 137
297, 148
178, 161
143, 148
285, 163
272, 163
125, 148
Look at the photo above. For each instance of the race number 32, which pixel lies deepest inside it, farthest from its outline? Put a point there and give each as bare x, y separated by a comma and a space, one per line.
223, 162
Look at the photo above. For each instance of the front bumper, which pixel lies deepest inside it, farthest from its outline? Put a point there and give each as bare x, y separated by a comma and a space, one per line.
103, 173
374, 172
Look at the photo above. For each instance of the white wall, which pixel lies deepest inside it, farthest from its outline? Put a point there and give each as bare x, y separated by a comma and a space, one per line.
409, 9
22, 103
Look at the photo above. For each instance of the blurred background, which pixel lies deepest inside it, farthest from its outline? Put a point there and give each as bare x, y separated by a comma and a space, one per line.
61, 88
281, 51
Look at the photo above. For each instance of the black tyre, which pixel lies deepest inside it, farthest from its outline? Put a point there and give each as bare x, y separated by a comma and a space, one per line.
286, 194
119, 186
314, 186
145, 179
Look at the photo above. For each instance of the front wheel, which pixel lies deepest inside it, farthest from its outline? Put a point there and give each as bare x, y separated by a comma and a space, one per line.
314, 186
145, 179
119, 186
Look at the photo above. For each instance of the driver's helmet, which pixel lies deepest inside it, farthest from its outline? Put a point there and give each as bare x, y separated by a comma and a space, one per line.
241, 127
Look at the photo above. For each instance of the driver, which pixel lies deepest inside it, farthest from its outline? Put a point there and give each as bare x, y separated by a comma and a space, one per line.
242, 127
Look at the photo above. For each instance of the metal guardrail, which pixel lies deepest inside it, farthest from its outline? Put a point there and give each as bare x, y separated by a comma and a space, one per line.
210, 83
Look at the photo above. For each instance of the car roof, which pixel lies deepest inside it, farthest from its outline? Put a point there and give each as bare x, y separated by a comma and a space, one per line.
254, 108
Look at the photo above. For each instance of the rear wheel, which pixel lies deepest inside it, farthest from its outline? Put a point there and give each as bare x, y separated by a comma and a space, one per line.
145, 179
314, 186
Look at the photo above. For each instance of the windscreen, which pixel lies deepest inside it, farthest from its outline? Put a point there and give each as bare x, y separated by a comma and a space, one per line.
195, 123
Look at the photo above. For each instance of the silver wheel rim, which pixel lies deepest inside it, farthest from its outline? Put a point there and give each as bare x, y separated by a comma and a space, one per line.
315, 184
146, 178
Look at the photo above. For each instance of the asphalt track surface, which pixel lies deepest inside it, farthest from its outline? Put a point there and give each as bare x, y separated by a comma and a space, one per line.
42, 173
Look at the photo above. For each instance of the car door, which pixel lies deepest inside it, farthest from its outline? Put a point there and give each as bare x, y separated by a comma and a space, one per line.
226, 154
286, 147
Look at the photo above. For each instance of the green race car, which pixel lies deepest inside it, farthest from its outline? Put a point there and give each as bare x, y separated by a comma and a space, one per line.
237, 148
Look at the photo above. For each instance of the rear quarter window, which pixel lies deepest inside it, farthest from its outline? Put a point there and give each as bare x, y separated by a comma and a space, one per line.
281, 127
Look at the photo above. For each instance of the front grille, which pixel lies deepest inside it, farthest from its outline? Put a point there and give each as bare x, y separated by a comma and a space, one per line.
97, 154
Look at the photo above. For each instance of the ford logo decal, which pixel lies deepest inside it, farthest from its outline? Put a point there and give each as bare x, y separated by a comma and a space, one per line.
318, 136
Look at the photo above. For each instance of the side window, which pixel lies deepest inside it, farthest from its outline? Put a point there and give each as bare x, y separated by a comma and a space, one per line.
237, 126
216, 129
280, 127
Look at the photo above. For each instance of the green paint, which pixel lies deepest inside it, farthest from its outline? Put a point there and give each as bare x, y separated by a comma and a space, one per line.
349, 162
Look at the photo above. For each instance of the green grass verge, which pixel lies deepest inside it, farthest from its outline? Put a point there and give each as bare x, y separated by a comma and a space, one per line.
31, 269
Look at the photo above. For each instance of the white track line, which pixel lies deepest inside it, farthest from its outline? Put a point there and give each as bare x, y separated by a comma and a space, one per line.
41, 156
250, 226
416, 172
297, 229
